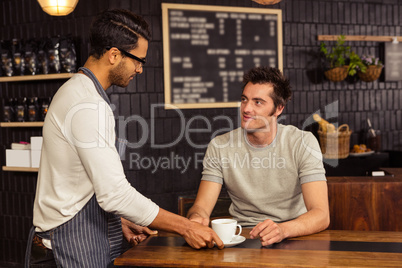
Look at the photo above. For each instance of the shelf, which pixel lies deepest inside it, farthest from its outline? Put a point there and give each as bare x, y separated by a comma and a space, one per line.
36, 77
20, 169
28, 124
381, 38
21, 124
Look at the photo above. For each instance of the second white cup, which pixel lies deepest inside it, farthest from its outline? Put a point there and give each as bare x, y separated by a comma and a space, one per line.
225, 229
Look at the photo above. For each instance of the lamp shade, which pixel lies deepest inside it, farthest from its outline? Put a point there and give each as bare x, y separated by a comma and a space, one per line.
58, 7
267, 2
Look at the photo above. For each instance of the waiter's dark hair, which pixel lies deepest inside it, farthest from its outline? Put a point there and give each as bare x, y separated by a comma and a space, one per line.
268, 75
116, 28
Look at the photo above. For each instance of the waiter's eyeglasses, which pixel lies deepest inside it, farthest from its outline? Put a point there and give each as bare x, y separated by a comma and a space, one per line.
142, 61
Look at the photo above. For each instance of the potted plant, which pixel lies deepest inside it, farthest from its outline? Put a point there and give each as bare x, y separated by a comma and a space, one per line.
355, 65
373, 68
336, 59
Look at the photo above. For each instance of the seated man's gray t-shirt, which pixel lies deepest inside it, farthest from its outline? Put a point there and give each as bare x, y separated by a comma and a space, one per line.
264, 183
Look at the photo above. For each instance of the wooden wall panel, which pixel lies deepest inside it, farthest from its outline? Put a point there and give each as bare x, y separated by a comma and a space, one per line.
365, 204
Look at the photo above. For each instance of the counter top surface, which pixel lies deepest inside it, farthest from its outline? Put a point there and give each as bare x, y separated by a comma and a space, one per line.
330, 248
392, 175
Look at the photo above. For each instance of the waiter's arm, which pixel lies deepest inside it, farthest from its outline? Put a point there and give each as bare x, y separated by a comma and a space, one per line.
196, 235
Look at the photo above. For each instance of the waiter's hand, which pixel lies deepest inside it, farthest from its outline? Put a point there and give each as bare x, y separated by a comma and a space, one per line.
268, 232
200, 236
134, 233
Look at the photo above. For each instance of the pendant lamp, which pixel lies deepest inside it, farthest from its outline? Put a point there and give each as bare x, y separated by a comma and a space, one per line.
58, 7
267, 2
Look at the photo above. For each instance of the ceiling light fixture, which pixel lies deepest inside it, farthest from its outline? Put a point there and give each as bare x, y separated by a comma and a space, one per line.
267, 2
58, 7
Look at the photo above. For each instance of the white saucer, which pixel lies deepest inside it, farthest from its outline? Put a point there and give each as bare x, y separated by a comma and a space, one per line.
237, 239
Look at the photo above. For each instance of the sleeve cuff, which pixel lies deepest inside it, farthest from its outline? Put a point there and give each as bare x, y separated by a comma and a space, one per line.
312, 177
212, 178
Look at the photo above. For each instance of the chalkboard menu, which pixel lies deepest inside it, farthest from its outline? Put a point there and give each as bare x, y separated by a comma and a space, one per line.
393, 62
207, 49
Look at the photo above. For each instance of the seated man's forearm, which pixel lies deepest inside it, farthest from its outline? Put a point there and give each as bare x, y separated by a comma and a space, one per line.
197, 211
316, 218
269, 232
311, 222
207, 195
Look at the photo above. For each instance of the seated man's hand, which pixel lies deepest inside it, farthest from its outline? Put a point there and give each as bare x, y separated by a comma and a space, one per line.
200, 236
197, 218
268, 231
134, 233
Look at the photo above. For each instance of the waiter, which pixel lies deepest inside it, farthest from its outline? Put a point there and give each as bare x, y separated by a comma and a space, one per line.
83, 197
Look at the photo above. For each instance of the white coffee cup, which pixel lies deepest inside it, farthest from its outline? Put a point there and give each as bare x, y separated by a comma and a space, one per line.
225, 229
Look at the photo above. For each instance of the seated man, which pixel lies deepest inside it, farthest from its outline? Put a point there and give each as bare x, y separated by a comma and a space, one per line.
273, 173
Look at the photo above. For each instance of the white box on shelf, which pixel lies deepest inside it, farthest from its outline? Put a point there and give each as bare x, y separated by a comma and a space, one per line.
35, 158
36, 143
18, 158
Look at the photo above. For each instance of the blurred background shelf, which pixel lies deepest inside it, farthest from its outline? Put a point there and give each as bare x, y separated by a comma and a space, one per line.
20, 169
21, 124
36, 77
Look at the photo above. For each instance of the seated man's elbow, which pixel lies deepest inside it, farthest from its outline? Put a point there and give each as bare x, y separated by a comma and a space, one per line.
326, 221
322, 219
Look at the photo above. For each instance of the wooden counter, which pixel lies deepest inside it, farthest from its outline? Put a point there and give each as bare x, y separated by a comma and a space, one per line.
330, 248
366, 203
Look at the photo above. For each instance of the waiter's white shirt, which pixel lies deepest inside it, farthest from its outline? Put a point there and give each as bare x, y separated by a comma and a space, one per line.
79, 159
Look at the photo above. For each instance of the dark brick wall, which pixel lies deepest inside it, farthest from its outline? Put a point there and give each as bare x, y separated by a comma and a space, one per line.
302, 22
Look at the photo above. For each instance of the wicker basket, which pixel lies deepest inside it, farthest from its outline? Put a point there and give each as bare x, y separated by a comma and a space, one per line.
337, 74
372, 73
335, 145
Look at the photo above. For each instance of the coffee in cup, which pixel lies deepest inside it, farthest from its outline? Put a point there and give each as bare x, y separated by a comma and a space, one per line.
226, 229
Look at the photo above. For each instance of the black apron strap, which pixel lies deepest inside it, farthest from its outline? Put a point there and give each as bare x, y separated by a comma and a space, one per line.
29, 247
120, 144
98, 85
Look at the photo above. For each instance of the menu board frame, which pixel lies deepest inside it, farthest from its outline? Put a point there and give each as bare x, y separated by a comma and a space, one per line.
166, 7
